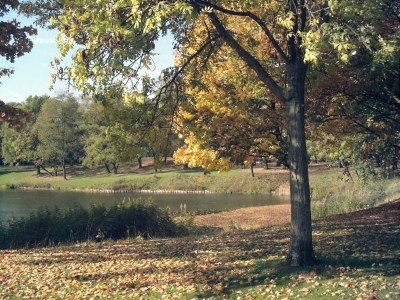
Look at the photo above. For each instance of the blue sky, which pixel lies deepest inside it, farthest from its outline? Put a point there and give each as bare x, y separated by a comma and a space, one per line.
32, 71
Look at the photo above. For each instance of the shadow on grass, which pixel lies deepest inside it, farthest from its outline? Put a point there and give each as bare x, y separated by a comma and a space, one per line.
359, 245
355, 246
367, 235
5, 171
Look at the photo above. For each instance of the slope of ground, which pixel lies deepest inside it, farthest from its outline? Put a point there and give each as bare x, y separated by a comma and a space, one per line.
358, 253
247, 218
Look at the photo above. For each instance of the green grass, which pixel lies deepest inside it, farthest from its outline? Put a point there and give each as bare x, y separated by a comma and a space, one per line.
171, 178
331, 195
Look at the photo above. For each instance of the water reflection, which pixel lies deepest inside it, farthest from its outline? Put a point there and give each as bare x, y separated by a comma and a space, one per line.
16, 203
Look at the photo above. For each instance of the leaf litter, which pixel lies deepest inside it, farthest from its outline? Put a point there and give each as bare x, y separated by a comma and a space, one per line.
359, 256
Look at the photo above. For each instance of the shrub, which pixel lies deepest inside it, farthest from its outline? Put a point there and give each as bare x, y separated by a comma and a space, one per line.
124, 220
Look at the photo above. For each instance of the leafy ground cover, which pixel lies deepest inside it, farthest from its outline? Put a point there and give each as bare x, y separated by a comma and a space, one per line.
358, 252
246, 218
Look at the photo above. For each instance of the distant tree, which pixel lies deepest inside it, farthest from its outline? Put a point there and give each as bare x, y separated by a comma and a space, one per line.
58, 131
142, 131
99, 148
34, 103
27, 141
26, 146
12, 118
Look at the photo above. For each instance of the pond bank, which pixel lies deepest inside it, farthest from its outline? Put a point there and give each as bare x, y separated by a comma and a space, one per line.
329, 192
111, 191
15, 203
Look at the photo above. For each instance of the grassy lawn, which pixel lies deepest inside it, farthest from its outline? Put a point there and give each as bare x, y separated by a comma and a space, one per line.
130, 177
358, 253
171, 177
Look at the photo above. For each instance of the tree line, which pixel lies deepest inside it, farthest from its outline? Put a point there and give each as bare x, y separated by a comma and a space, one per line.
69, 130
65, 130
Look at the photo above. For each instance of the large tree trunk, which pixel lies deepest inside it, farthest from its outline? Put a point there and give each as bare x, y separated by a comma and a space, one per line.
301, 251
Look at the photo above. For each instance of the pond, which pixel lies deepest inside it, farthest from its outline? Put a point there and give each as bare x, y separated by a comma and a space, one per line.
17, 203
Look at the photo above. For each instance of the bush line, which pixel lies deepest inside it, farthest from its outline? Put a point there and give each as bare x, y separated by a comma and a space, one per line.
46, 227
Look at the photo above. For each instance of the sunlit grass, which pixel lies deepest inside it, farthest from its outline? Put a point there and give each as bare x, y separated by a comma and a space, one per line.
170, 177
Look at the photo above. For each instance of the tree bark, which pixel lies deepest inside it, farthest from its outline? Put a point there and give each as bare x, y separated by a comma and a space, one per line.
301, 251
140, 162
395, 159
155, 163
107, 168
266, 167
115, 167
38, 170
41, 166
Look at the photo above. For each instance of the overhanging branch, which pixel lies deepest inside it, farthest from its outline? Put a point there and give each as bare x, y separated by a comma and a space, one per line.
252, 16
252, 62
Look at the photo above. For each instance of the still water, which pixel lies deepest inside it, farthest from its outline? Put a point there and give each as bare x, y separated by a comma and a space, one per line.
17, 203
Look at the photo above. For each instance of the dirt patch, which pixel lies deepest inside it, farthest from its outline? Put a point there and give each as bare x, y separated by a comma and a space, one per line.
247, 218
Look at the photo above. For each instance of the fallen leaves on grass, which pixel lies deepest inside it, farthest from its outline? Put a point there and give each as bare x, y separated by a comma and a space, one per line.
128, 269
359, 256
247, 218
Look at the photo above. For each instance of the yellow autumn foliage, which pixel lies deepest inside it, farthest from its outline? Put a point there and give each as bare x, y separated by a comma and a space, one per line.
218, 122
